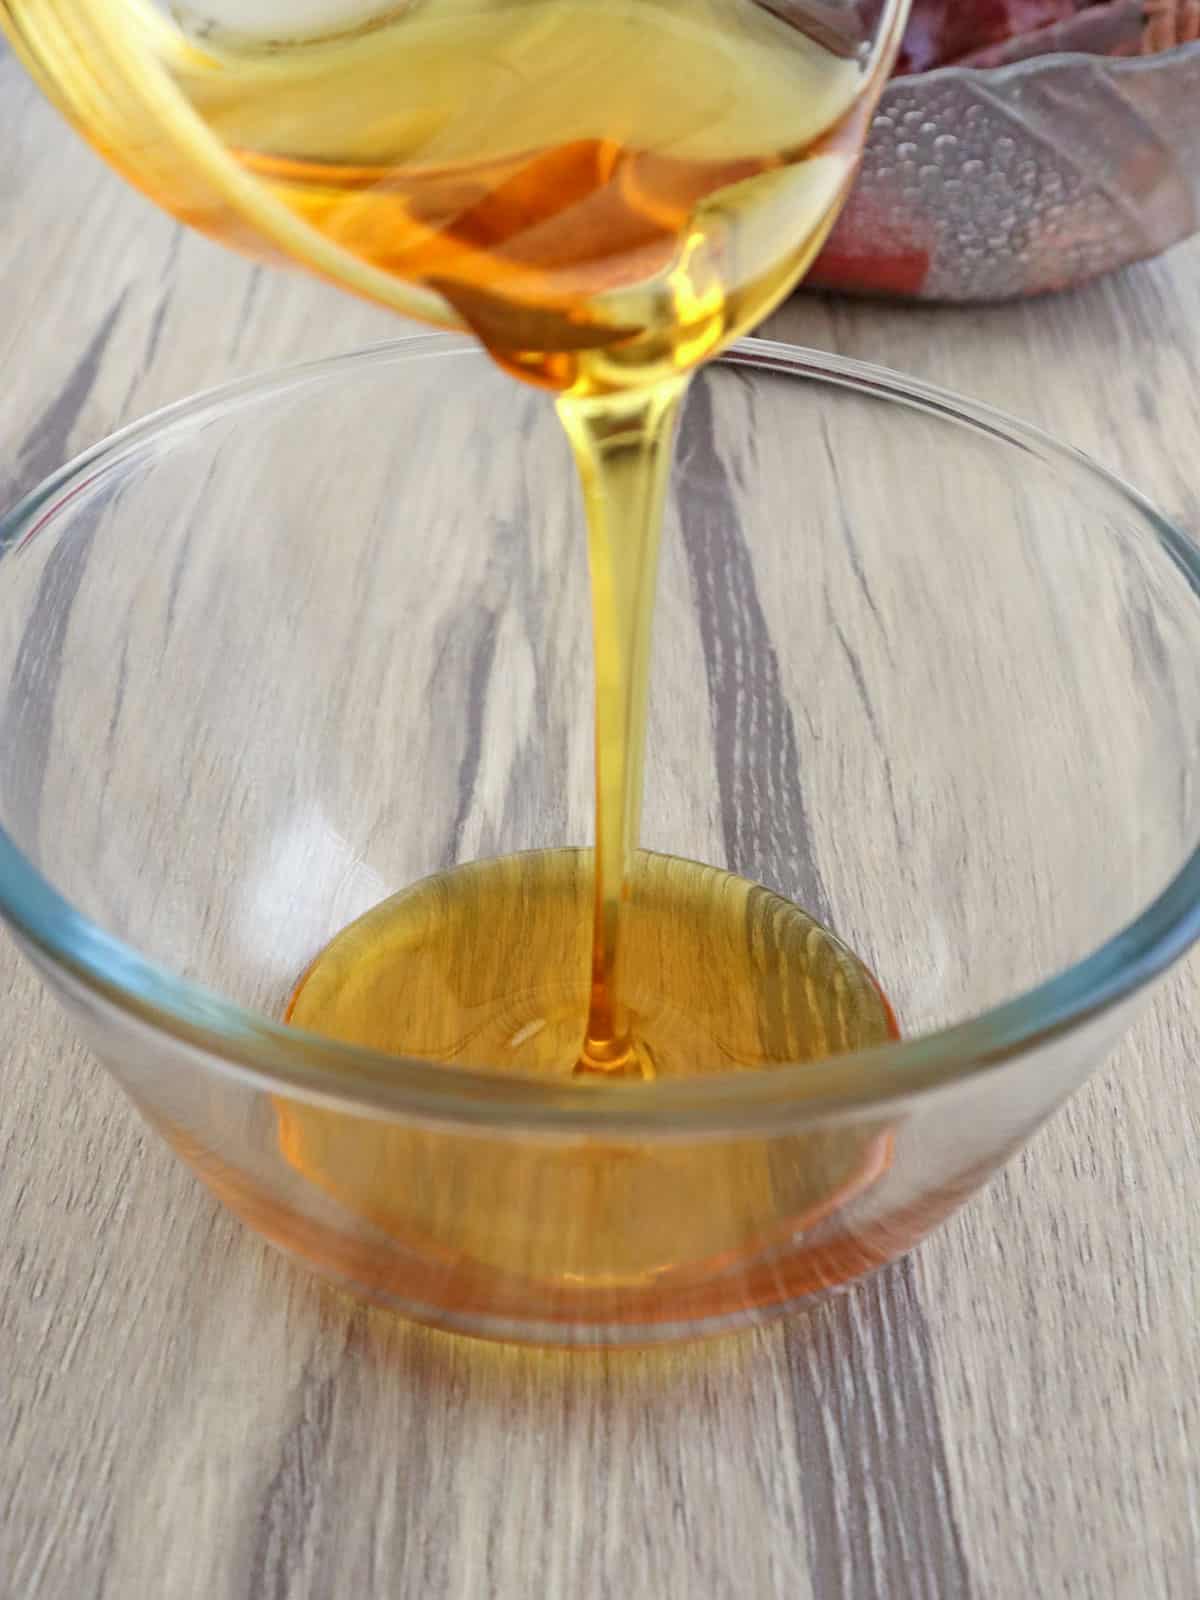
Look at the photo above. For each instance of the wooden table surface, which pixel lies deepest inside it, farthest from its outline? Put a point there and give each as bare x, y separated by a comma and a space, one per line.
183, 1413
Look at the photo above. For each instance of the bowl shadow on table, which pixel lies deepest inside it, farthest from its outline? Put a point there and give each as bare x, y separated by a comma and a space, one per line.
763, 1416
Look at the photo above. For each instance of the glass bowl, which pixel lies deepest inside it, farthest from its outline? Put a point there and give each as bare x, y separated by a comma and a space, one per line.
283, 649
983, 184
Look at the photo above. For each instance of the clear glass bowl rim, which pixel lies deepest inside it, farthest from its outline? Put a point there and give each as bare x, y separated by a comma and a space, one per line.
221, 1036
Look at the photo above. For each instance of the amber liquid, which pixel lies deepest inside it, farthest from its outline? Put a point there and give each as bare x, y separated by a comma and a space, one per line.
605, 192
488, 966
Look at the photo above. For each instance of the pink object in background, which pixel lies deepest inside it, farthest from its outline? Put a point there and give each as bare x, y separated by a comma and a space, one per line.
983, 185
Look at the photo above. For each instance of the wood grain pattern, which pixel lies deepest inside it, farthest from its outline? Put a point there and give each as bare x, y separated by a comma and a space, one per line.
1013, 1411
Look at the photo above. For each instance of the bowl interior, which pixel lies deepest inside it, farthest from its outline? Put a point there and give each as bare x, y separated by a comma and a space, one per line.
281, 654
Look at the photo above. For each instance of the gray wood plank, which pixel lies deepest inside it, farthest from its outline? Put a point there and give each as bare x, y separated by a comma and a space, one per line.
1013, 1411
